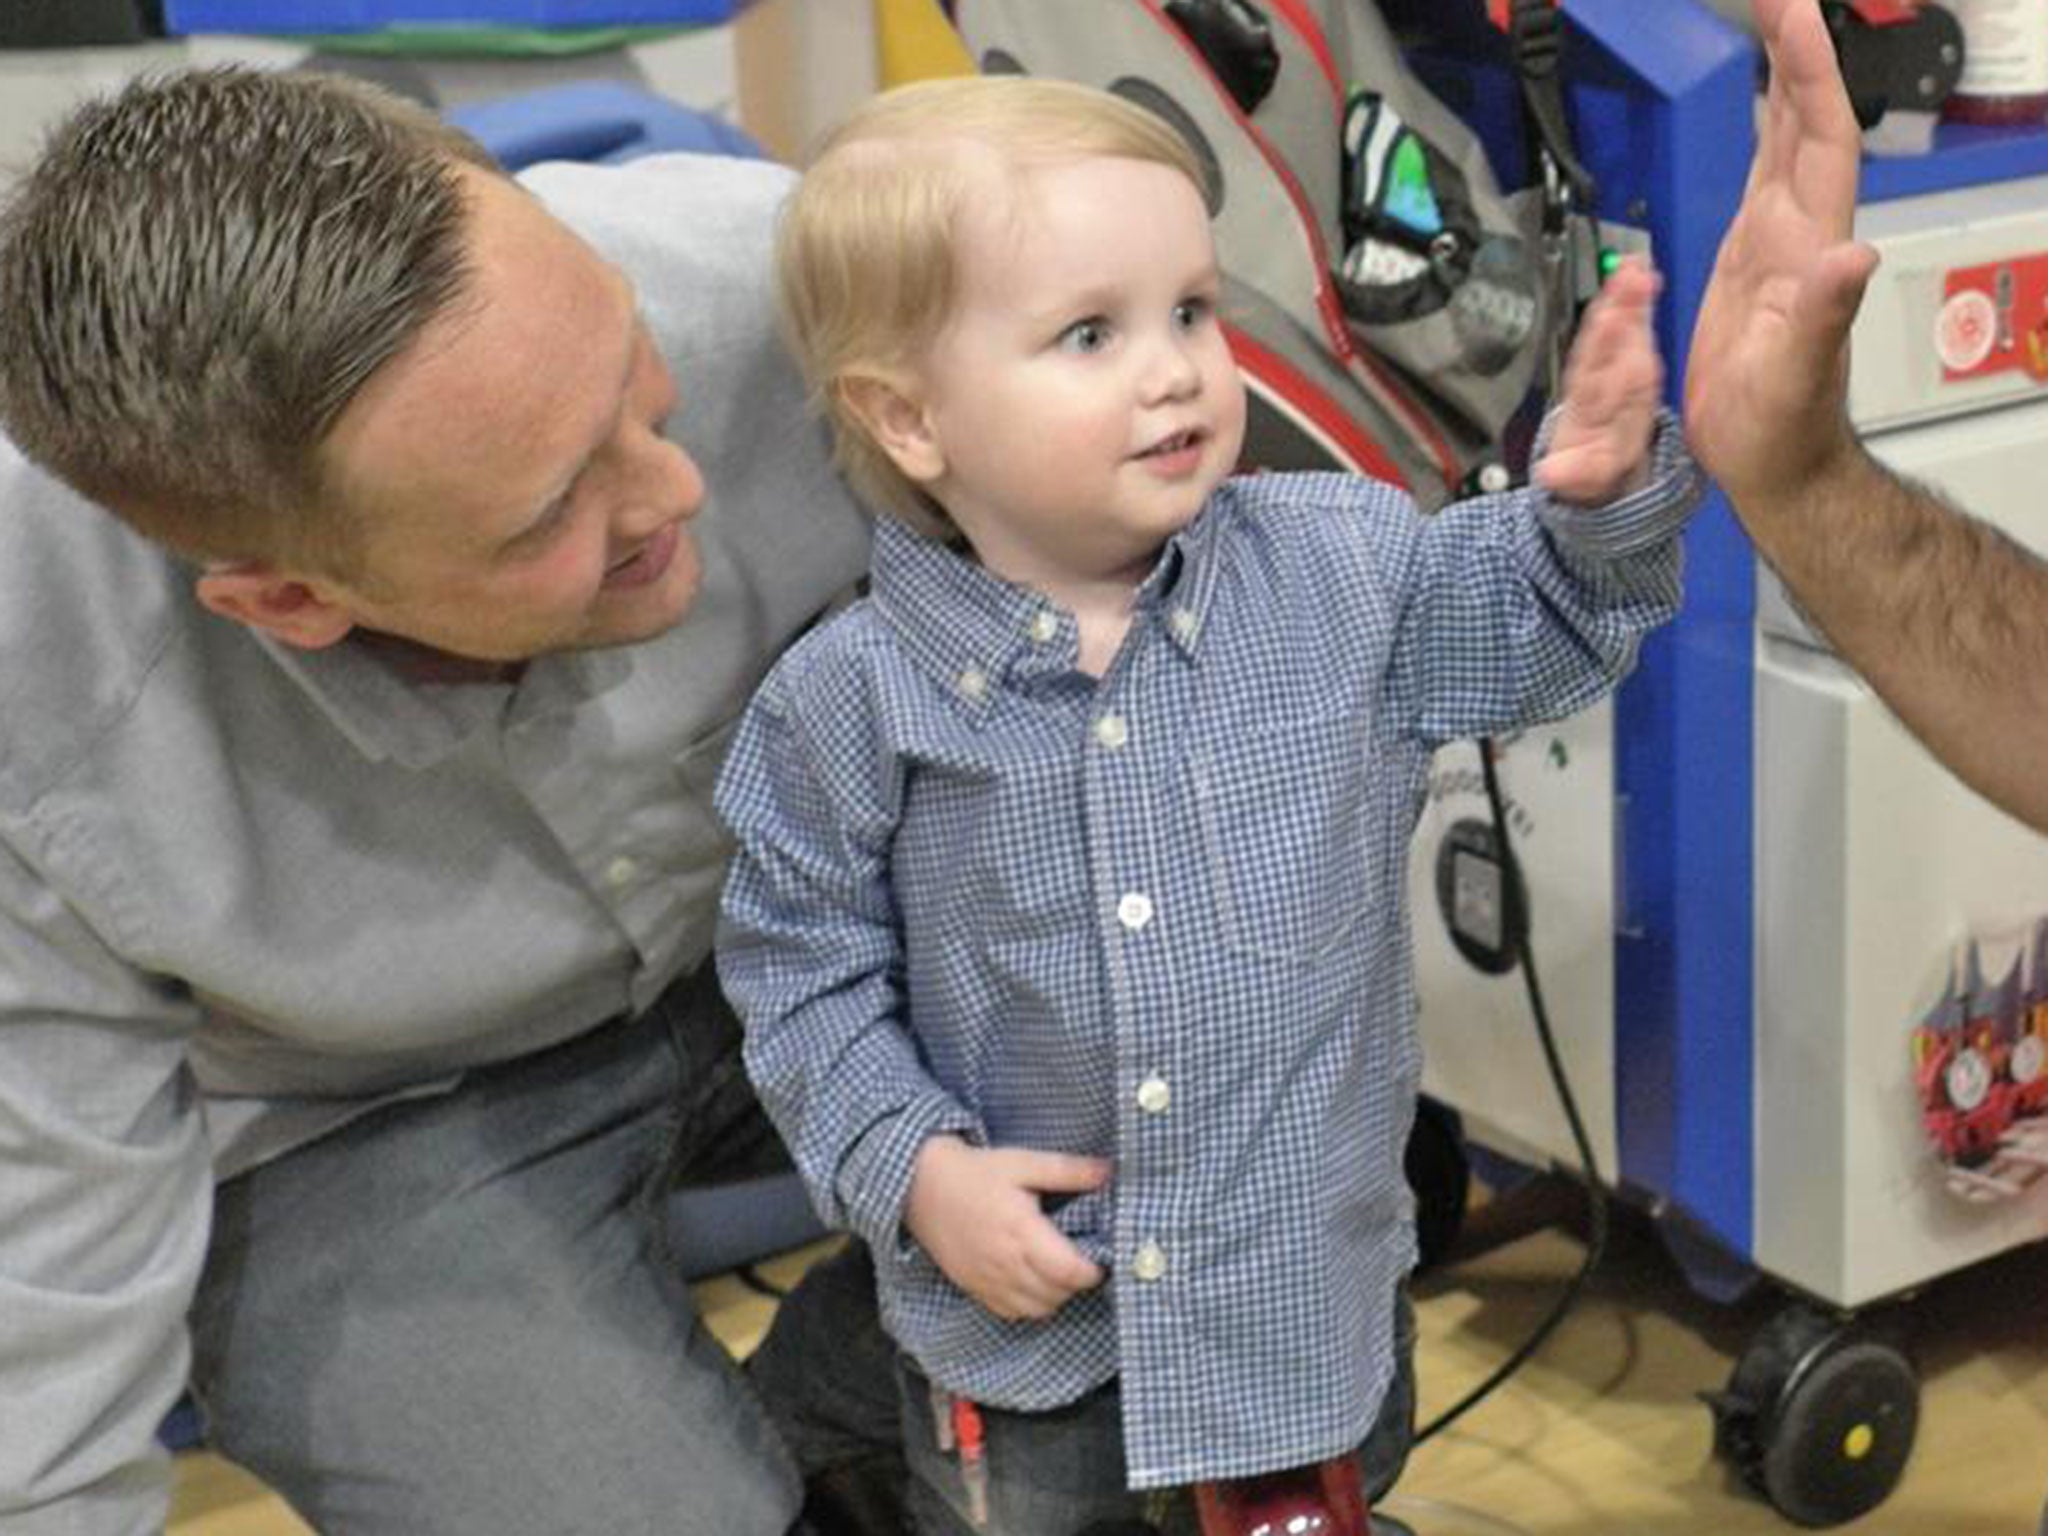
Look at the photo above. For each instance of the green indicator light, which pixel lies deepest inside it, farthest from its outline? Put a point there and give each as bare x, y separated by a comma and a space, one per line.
1610, 263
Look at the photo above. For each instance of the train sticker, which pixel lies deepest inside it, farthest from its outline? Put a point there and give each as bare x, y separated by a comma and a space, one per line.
1980, 1065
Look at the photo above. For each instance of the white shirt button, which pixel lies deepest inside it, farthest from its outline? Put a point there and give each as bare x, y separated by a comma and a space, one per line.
973, 684
620, 873
1149, 1262
1112, 731
1184, 624
1154, 1097
1134, 910
1044, 625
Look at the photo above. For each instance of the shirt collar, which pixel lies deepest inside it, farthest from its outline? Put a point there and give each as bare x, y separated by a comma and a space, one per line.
972, 630
387, 716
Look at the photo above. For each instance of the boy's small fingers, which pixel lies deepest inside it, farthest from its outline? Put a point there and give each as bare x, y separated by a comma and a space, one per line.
1568, 471
1553, 470
1607, 330
1636, 279
1062, 1172
1591, 407
1067, 1267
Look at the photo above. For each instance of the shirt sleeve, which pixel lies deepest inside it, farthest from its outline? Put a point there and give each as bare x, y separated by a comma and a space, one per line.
105, 1192
811, 958
1521, 608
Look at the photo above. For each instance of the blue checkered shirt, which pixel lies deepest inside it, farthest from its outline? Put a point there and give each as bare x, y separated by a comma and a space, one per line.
1157, 917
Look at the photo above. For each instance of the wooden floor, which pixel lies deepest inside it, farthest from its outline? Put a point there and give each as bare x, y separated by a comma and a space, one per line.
1601, 1432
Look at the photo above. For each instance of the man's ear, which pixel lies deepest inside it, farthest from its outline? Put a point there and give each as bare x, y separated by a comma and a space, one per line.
285, 607
889, 410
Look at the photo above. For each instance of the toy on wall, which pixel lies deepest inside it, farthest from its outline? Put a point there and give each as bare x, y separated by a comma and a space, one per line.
1980, 1066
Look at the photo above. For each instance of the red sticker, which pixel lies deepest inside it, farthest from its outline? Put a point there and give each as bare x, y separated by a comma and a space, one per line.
1994, 319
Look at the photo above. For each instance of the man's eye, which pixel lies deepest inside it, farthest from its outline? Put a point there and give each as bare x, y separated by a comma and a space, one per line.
543, 530
1085, 336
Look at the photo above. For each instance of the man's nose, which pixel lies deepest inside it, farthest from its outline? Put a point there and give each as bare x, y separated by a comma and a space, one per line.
686, 479
664, 485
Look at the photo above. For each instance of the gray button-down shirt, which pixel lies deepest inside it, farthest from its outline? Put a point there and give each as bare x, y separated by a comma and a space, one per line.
248, 892
1157, 917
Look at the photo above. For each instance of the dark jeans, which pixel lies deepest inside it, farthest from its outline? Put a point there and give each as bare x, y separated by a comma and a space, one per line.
458, 1315
1058, 1473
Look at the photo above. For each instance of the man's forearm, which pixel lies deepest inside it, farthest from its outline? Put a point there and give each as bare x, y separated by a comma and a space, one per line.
1944, 616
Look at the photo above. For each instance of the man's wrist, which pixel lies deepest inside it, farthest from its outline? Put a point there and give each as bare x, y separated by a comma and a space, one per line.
1839, 471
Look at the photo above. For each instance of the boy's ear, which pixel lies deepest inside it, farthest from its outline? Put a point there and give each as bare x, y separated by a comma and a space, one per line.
889, 410
286, 607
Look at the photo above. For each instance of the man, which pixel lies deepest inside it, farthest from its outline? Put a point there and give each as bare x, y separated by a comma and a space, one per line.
357, 863
1946, 617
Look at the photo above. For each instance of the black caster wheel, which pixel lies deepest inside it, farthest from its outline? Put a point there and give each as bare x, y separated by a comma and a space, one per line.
1441, 1179
1818, 1417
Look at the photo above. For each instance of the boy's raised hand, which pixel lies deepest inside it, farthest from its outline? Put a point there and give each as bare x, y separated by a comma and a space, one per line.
1613, 383
976, 1212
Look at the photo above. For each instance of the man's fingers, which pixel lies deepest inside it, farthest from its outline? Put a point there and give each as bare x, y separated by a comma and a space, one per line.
1778, 124
1808, 141
1833, 292
1827, 144
1847, 270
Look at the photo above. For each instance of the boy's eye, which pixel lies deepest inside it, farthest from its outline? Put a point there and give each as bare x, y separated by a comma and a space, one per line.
1189, 314
1090, 335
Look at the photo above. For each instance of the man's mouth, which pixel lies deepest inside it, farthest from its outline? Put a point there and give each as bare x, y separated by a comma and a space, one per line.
646, 563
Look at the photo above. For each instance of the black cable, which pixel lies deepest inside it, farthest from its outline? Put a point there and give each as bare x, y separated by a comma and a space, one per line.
1596, 1239
759, 1283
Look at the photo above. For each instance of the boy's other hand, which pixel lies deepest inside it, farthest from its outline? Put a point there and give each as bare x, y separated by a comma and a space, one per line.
976, 1210
1613, 382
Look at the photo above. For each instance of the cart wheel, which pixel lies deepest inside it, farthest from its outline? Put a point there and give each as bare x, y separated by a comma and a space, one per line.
1438, 1173
1818, 1417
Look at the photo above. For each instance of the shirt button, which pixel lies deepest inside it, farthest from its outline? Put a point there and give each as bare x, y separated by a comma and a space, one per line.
1184, 624
1134, 910
1044, 625
1149, 1262
973, 684
620, 873
1112, 731
1154, 1097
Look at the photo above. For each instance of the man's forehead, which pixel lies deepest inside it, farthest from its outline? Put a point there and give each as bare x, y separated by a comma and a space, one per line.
510, 384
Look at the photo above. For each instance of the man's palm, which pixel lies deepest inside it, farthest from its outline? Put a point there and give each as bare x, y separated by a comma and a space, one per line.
1766, 372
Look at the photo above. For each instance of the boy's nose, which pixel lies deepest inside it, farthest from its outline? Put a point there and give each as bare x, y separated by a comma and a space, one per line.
1173, 371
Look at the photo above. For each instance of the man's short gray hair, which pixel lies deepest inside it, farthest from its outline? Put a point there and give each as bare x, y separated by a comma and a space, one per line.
197, 276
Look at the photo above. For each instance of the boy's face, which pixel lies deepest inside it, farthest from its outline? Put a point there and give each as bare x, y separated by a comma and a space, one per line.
1081, 401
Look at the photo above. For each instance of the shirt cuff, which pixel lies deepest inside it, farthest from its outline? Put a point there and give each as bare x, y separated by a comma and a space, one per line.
1633, 523
874, 1180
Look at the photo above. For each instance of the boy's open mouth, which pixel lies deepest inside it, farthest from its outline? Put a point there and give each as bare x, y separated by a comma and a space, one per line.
1176, 443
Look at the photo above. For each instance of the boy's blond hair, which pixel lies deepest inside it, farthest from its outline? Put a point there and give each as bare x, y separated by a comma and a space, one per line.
866, 252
